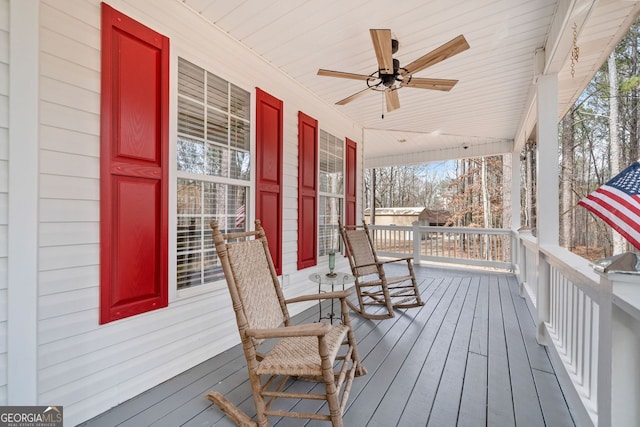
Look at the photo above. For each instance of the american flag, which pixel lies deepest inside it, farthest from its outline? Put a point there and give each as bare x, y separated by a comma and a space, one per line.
240, 216
618, 203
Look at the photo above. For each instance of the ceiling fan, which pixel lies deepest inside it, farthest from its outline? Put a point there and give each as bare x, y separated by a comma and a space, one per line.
390, 76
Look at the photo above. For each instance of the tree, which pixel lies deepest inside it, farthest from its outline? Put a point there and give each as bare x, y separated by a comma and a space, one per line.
400, 186
566, 181
468, 204
614, 144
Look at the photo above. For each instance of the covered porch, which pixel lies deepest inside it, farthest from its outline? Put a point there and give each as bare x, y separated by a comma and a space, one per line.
468, 357
542, 341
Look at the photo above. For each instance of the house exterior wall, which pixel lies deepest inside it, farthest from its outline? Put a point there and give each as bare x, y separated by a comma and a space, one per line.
82, 365
4, 184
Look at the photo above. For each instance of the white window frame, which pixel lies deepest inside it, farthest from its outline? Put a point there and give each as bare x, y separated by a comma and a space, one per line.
325, 138
177, 175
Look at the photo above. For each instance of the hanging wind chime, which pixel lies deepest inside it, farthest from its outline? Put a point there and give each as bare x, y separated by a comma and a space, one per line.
575, 50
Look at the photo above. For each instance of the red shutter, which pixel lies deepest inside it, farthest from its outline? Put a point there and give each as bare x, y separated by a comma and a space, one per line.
307, 191
350, 182
134, 139
269, 171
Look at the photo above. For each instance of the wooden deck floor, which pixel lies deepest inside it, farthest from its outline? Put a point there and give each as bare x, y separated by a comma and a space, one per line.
467, 358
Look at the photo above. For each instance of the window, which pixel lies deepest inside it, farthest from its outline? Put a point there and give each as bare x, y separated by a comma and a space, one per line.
331, 198
213, 161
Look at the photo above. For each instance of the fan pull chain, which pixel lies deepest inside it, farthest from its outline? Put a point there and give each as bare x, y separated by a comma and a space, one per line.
383, 108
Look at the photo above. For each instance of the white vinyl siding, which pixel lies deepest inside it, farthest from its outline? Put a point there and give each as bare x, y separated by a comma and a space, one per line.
4, 164
84, 366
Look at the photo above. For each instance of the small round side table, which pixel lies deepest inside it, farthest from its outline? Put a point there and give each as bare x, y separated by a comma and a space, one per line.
323, 279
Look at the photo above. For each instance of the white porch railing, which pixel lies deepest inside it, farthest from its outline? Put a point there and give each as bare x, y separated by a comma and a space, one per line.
571, 311
528, 261
486, 247
590, 322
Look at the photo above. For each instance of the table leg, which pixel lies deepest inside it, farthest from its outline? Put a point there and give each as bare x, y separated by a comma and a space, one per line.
319, 301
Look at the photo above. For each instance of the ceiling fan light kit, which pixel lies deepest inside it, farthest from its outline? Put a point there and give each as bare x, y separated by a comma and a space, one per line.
390, 76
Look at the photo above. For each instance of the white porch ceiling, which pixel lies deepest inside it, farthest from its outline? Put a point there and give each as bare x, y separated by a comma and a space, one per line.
486, 111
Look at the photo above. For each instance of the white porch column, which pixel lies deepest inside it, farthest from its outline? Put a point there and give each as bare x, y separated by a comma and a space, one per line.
547, 212
516, 253
22, 311
548, 224
515, 190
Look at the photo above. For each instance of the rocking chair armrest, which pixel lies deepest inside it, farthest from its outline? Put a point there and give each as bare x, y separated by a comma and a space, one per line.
367, 265
311, 329
389, 261
323, 295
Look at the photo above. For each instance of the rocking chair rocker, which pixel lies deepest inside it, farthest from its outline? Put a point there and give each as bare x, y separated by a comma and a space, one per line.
318, 352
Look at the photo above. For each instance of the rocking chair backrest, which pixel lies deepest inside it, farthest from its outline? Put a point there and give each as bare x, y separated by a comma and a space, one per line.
360, 249
253, 285
258, 295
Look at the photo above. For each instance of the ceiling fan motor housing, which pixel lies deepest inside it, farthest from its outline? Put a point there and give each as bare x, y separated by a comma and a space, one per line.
389, 79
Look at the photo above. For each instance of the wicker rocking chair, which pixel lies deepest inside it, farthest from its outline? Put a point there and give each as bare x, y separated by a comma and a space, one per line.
318, 352
374, 288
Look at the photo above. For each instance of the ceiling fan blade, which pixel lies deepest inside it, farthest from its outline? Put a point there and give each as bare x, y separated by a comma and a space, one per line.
382, 44
352, 97
435, 84
447, 50
392, 99
343, 75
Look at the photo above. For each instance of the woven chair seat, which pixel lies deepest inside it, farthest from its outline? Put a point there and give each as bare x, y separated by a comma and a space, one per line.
299, 356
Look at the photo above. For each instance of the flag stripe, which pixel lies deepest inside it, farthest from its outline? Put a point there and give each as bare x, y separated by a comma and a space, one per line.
615, 207
614, 214
240, 216
613, 217
621, 197
599, 208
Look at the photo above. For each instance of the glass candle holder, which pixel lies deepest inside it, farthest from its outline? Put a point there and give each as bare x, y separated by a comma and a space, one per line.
332, 261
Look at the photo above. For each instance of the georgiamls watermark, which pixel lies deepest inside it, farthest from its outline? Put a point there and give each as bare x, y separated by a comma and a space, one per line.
30, 416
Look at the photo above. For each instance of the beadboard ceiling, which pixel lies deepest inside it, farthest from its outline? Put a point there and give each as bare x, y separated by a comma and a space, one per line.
494, 94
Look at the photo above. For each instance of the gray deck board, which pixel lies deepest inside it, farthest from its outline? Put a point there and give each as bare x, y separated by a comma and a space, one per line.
400, 370
555, 411
403, 386
525, 400
500, 410
396, 394
480, 329
447, 402
468, 357
473, 402
537, 354
424, 390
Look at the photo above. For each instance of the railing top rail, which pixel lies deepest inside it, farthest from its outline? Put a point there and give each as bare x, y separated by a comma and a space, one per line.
474, 230
442, 229
575, 268
529, 240
390, 227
